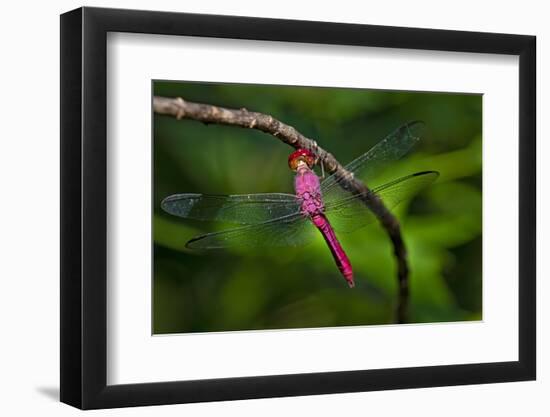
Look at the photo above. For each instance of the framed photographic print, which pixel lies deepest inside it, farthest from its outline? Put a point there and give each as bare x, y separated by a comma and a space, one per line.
258, 208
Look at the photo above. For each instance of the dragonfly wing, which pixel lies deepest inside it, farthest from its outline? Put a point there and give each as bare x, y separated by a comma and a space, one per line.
238, 209
370, 164
292, 230
351, 213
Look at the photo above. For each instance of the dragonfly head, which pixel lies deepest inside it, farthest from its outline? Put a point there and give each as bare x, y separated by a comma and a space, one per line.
301, 156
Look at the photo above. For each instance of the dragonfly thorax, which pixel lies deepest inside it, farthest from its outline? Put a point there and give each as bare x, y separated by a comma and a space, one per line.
308, 191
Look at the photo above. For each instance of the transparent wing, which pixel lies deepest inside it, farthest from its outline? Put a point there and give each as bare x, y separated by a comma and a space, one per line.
239, 209
293, 230
351, 213
369, 165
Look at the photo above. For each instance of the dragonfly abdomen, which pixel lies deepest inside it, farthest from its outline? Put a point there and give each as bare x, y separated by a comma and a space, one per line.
340, 257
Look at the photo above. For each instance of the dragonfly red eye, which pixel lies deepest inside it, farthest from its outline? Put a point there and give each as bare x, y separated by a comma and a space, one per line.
301, 155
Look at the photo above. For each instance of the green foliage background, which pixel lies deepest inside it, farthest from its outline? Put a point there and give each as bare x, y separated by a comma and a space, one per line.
292, 288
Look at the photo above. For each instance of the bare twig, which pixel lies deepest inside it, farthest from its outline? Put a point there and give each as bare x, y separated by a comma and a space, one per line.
206, 113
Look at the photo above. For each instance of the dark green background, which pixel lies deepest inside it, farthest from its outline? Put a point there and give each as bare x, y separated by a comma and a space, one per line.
290, 288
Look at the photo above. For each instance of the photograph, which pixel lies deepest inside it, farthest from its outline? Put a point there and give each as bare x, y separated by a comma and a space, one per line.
294, 207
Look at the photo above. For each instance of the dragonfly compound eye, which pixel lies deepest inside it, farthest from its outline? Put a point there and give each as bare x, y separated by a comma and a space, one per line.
301, 155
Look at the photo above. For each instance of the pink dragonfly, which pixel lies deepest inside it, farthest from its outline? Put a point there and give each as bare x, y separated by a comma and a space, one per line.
279, 219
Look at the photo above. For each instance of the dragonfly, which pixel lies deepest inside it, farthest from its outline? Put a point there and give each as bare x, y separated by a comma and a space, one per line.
290, 220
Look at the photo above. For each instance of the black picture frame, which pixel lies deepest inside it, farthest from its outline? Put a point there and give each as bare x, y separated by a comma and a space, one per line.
84, 207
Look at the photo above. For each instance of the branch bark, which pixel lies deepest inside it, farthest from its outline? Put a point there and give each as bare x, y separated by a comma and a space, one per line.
206, 113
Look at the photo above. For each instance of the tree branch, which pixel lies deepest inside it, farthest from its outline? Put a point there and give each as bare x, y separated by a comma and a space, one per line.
207, 113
